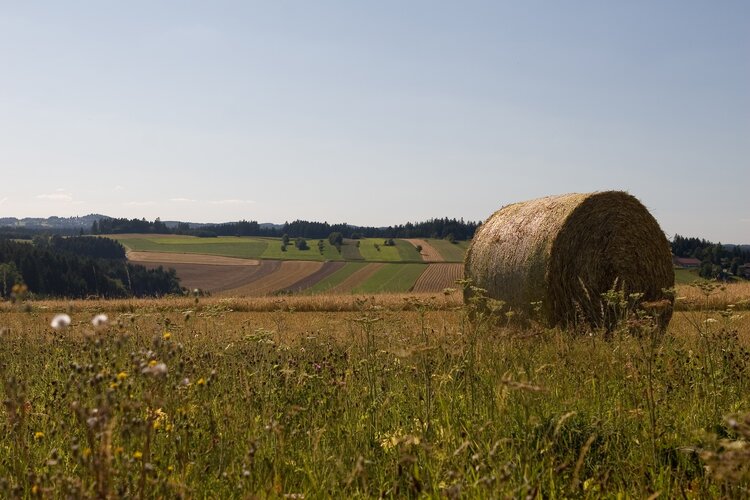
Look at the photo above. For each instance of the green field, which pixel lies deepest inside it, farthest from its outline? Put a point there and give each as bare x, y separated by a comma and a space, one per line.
685, 276
401, 251
336, 278
273, 251
451, 252
270, 248
230, 246
392, 279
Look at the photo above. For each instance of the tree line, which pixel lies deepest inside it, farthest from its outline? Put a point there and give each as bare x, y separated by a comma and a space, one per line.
78, 267
453, 229
716, 259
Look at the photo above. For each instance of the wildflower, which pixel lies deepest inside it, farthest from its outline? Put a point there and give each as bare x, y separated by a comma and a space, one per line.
38, 435
86, 452
100, 321
122, 375
166, 336
60, 321
201, 381
137, 455
154, 368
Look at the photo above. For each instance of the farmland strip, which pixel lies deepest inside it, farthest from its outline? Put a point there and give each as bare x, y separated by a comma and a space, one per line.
287, 273
357, 278
429, 253
326, 270
170, 258
438, 277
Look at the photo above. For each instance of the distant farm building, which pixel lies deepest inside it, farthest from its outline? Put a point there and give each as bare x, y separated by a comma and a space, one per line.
686, 262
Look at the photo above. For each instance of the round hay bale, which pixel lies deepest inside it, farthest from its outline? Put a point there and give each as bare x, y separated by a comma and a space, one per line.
566, 251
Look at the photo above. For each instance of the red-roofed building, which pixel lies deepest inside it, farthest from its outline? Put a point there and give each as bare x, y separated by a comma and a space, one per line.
686, 262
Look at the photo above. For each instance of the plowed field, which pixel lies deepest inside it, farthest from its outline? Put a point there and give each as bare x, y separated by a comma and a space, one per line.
215, 277
438, 277
286, 274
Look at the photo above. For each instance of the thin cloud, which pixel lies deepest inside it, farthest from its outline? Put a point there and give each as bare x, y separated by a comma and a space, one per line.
182, 200
58, 195
231, 202
3, 200
139, 203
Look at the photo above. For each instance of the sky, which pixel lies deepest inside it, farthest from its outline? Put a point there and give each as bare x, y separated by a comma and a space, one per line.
374, 113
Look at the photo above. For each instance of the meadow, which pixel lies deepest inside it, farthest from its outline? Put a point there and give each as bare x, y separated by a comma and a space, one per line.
365, 249
370, 396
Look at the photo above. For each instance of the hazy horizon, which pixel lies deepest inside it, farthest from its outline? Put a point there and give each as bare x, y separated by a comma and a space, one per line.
374, 114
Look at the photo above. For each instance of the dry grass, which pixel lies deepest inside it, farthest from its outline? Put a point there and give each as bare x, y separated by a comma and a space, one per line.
392, 397
690, 297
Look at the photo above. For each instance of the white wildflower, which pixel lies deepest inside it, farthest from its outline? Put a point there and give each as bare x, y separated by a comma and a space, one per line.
60, 321
156, 369
100, 321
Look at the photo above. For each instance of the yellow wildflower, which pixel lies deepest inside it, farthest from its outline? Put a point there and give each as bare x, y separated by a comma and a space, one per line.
122, 375
201, 381
38, 435
137, 455
152, 363
167, 336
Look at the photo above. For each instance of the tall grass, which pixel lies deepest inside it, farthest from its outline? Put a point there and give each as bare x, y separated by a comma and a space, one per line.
196, 400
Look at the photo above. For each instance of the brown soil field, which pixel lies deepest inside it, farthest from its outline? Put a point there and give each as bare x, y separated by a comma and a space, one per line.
429, 253
438, 277
310, 280
169, 258
356, 279
216, 277
287, 274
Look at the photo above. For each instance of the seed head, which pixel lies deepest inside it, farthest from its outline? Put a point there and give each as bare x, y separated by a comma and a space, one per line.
100, 321
60, 321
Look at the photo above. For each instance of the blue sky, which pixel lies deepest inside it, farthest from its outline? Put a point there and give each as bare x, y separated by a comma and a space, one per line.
374, 112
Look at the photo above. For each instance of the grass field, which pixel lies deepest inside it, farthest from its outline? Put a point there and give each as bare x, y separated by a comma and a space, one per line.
396, 397
401, 251
451, 252
685, 276
270, 248
247, 248
336, 278
392, 278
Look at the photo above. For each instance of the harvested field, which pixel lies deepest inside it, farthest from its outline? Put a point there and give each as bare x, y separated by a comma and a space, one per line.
356, 279
429, 253
169, 258
326, 270
285, 275
438, 277
216, 278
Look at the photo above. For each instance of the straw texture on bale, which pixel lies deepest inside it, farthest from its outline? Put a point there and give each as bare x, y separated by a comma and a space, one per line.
567, 250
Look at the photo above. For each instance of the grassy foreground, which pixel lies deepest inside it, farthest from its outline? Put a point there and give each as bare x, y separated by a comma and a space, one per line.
187, 399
